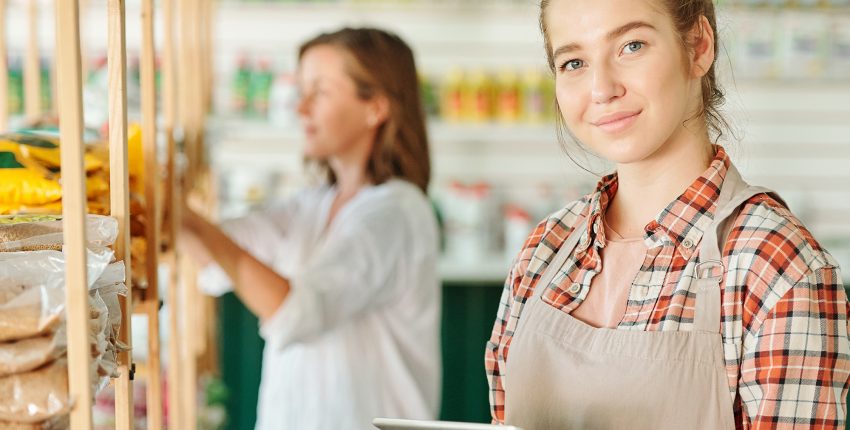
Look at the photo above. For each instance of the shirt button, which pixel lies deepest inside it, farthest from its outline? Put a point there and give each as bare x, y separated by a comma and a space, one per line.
575, 288
687, 243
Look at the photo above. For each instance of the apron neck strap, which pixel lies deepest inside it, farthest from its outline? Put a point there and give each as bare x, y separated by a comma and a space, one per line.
559, 259
710, 269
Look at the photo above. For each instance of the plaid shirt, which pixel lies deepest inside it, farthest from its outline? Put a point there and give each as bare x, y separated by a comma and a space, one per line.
784, 319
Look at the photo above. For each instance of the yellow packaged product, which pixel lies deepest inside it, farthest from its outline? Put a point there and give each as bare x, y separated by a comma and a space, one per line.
45, 151
20, 185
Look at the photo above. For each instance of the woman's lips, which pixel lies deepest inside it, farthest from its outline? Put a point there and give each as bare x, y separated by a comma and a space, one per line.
616, 122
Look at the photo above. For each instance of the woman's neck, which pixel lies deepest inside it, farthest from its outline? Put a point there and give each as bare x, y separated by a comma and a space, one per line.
351, 176
646, 187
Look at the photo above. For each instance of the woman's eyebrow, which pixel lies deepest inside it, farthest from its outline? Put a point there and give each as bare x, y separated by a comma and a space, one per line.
613, 34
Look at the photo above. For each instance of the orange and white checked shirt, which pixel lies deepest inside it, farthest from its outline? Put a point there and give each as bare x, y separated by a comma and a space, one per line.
785, 328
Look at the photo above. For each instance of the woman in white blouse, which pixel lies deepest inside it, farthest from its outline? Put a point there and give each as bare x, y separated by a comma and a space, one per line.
343, 276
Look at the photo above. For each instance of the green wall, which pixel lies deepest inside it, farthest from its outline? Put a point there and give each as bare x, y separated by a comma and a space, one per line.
468, 314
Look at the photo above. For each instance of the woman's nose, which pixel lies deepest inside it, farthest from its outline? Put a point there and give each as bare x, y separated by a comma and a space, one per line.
302, 107
605, 85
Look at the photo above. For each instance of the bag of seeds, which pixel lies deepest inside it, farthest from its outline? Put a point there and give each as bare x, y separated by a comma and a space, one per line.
43, 232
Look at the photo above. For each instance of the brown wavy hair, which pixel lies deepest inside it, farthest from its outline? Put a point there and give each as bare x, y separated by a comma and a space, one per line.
685, 15
381, 63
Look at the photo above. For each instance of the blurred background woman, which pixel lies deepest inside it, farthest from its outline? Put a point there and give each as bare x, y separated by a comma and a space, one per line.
343, 276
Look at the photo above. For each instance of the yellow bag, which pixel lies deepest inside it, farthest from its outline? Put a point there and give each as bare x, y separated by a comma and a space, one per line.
45, 151
22, 186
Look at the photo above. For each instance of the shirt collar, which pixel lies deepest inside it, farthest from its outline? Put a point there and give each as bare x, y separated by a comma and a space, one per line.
682, 222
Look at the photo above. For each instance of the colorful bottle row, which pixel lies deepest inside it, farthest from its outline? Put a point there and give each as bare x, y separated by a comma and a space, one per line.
477, 96
252, 85
474, 96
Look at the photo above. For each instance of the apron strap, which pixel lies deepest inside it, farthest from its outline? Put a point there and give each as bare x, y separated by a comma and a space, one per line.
559, 259
710, 270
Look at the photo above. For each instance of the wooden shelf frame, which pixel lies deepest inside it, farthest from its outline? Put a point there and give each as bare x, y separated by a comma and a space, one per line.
187, 320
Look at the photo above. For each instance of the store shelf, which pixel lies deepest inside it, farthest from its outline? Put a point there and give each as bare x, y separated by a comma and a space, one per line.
490, 271
350, 8
247, 130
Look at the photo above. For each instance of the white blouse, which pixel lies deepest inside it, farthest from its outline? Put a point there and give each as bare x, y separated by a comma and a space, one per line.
358, 337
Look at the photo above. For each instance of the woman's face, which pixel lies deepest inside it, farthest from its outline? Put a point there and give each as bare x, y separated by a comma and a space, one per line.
335, 119
622, 80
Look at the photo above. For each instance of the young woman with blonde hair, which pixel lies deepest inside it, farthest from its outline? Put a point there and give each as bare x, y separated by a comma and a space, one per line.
675, 296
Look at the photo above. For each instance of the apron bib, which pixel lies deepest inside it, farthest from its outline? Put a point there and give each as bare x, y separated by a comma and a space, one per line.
565, 374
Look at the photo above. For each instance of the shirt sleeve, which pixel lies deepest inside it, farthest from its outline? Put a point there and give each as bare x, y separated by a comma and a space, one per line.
259, 233
796, 365
493, 360
353, 270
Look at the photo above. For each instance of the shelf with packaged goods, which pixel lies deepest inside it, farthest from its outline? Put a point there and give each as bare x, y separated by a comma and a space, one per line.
229, 131
507, 8
349, 7
787, 101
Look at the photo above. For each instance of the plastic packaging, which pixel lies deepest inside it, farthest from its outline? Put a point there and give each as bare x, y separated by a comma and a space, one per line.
31, 293
29, 354
42, 146
22, 185
106, 291
36, 396
32, 290
115, 273
47, 234
60, 422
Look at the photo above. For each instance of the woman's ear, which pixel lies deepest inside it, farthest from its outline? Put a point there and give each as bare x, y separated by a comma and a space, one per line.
379, 110
703, 52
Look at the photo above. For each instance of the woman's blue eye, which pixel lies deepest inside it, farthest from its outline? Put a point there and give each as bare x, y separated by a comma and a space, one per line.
632, 47
572, 65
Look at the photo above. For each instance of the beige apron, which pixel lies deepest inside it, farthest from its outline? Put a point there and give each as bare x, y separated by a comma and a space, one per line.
564, 374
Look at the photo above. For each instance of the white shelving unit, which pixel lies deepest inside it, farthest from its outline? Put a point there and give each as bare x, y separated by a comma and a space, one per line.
794, 134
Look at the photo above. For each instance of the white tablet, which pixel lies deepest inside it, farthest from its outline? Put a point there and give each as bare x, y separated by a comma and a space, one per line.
398, 424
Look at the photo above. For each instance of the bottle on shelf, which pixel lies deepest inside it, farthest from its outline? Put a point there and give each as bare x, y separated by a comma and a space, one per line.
240, 88
451, 106
535, 97
283, 100
478, 97
16, 87
508, 97
259, 88
430, 95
